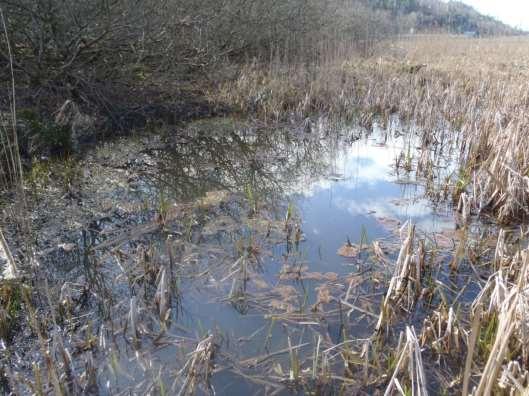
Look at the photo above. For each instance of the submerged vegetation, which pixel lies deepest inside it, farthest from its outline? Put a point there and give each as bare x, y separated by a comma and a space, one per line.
356, 225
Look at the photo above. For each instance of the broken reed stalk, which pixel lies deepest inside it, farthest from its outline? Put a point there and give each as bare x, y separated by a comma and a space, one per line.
410, 355
197, 367
12, 271
133, 319
404, 271
470, 348
506, 327
163, 295
511, 306
444, 342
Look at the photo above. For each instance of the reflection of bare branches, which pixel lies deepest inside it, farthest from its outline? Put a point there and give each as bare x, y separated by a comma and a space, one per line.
265, 162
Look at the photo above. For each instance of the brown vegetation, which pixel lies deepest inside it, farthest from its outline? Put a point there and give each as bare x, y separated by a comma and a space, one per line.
467, 97
463, 85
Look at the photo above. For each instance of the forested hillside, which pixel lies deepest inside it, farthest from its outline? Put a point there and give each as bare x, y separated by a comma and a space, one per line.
451, 16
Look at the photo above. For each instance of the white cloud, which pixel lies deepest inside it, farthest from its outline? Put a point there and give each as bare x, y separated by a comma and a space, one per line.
362, 164
368, 185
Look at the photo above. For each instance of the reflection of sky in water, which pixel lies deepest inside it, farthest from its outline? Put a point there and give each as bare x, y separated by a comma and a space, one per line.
361, 188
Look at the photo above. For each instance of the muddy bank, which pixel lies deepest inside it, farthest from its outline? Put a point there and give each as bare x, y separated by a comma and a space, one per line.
71, 126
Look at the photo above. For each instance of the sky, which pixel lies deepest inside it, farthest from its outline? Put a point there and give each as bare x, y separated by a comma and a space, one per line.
512, 12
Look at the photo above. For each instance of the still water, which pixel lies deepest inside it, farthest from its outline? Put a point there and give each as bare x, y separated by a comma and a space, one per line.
257, 263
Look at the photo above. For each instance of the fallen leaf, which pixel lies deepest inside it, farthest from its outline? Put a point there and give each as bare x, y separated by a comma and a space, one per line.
328, 276
292, 272
324, 295
389, 223
349, 250
286, 292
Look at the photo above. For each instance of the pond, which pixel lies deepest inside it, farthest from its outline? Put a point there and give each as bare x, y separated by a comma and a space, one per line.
235, 258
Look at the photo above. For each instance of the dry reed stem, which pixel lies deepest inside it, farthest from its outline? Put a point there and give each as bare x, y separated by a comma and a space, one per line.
510, 303
407, 267
410, 355
11, 272
471, 346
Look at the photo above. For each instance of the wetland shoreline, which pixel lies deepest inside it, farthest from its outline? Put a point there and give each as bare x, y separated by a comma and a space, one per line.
318, 245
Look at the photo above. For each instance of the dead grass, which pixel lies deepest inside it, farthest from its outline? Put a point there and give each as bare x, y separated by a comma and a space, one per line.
459, 91
476, 88
504, 297
469, 97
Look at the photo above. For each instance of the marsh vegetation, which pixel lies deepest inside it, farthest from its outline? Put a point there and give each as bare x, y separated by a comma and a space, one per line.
316, 209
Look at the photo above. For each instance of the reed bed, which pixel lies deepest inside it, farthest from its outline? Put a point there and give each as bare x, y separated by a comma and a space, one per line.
478, 87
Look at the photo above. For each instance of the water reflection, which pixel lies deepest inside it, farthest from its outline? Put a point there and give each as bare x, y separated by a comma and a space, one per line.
347, 172
225, 155
343, 180
270, 253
